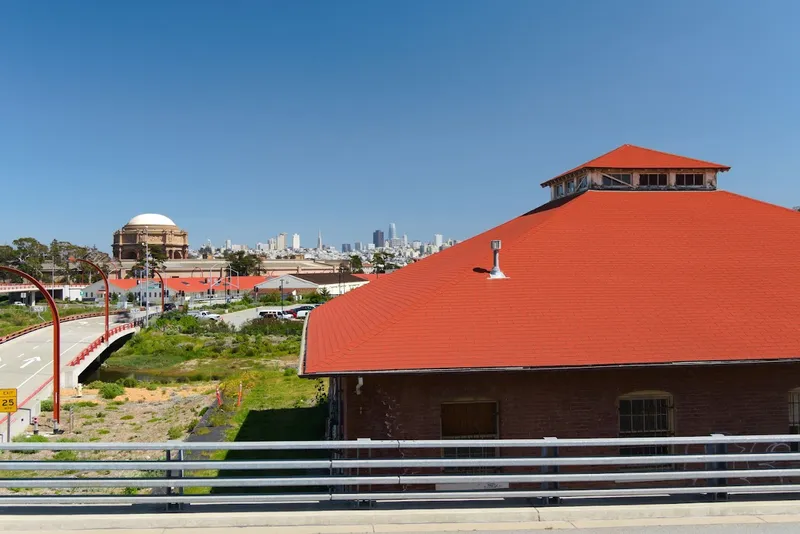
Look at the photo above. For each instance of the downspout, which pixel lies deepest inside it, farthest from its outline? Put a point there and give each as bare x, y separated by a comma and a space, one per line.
302, 360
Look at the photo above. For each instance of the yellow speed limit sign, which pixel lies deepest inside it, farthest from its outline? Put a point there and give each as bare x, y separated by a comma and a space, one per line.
8, 400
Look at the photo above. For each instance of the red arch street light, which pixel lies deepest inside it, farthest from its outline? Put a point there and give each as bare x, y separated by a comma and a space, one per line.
56, 342
105, 279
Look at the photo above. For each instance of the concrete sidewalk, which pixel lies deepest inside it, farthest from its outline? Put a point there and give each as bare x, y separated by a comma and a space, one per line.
412, 520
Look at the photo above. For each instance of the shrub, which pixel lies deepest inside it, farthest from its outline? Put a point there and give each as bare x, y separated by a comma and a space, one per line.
47, 405
103, 431
127, 417
65, 456
290, 371
174, 432
101, 415
79, 404
97, 384
38, 438
130, 491
151, 387
111, 391
129, 382
203, 410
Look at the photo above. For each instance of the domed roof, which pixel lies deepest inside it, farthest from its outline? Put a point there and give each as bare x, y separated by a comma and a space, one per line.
151, 219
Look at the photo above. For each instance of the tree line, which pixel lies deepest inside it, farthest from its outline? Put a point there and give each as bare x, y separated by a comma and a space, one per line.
50, 263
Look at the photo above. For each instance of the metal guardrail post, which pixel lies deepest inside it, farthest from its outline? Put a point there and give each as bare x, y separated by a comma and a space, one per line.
718, 448
550, 452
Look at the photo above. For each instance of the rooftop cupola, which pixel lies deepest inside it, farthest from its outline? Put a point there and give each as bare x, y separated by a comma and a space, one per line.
633, 168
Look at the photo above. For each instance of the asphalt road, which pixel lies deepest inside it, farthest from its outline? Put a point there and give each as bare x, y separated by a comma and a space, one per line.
27, 362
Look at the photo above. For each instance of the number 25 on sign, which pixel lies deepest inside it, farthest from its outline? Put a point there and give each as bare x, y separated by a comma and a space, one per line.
8, 400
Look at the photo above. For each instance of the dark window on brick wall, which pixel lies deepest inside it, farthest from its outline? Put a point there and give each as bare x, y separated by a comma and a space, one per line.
470, 420
794, 416
645, 416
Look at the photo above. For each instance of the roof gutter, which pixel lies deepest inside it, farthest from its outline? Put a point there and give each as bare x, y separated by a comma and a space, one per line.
550, 368
302, 359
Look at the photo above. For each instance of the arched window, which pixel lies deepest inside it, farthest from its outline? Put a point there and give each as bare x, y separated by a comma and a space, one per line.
646, 414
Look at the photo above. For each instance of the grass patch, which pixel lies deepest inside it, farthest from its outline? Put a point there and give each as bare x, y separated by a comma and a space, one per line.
65, 456
103, 431
126, 417
78, 405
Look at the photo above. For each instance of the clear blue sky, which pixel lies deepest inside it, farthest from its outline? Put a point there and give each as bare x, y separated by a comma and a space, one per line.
242, 119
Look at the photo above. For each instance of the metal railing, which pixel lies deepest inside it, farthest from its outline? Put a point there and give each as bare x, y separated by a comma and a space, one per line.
365, 470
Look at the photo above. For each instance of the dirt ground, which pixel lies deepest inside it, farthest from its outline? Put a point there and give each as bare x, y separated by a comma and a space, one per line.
140, 415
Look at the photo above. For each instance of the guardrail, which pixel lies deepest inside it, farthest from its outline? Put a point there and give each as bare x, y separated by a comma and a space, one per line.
549, 469
97, 342
39, 326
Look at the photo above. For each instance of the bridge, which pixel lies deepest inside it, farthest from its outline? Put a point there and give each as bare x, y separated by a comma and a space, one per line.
26, 362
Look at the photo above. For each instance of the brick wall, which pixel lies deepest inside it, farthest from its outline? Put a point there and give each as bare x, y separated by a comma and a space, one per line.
730, 399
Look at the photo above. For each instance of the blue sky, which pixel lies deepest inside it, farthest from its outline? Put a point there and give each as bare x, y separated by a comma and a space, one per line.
242, 119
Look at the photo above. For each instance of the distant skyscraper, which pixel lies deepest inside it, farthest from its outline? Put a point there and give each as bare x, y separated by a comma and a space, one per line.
416, 244
272, 243
437, 240
282, 241
347, 247
405, 240
377, 238
295, 241
228, 244
392, 231
319, 241
359, 246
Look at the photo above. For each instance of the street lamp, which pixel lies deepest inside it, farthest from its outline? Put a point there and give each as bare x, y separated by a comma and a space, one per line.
56, 342
281, 284
105, 280
163, 288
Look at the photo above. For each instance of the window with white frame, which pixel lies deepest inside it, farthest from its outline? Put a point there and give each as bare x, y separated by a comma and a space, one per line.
645, 415
689, 180
653, 180
617, 179
583, 183
559, 190
470, 420
570, 187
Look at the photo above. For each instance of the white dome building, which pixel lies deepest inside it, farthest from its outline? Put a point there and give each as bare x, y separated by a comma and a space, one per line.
155, 230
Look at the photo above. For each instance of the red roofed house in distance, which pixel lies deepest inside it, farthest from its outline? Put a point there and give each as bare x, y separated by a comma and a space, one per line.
640, 301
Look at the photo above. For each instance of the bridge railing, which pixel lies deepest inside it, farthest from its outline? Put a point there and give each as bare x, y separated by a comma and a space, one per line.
550, 469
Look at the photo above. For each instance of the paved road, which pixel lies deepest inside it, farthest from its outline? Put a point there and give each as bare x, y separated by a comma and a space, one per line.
27, 361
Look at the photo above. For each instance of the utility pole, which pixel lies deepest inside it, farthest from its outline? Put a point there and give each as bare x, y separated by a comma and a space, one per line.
147, 276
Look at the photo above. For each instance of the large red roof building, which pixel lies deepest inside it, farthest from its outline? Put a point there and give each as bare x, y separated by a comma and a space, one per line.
641, 300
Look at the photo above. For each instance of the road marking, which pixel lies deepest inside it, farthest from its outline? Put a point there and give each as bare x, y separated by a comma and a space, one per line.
36, 347
50, 363
30, 361
21, 355
1, 366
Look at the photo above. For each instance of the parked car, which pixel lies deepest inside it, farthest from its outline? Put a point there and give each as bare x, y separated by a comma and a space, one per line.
18, 303
204, 315
302, 311
275, 314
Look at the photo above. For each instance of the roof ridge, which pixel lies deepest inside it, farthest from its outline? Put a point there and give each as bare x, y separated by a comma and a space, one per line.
757, 200
667, 154
374, 332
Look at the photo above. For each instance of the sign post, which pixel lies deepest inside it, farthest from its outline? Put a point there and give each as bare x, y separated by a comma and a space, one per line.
8, 405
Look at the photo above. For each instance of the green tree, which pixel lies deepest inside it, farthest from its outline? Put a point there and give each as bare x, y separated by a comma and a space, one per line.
29, 255
243, 263
156, 262
356, 265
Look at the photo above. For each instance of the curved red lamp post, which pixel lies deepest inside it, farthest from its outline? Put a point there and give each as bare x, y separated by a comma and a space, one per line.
56, 341
163, 288
105, 279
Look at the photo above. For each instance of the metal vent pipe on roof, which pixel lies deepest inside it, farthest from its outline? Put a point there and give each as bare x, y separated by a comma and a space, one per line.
496, 272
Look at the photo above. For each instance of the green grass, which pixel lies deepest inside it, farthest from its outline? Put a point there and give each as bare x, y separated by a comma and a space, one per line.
78, 405
215, 350
14, 318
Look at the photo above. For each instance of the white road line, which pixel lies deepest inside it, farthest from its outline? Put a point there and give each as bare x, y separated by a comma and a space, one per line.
49, 364
36, 347
1, 366
21, 355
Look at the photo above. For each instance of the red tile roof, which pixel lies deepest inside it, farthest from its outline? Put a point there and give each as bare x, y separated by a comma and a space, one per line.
636, 157
195, 284
599, 278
